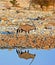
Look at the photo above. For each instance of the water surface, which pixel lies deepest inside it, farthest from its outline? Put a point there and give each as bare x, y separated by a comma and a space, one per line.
43, 57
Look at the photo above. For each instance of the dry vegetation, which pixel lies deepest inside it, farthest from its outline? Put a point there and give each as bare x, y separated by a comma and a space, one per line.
41, 42
42, 3
52, 23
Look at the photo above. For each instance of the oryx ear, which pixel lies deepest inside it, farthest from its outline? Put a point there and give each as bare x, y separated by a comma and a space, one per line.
34, 54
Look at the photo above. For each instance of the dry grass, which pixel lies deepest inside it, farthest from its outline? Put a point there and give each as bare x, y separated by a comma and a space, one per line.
52, 23
32, 41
